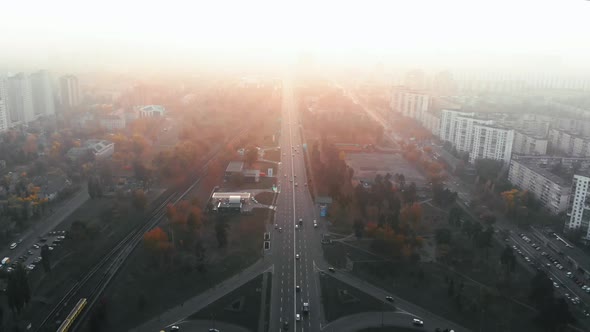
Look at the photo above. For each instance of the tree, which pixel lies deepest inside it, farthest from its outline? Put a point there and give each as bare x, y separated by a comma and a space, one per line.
508, 260
17, 289
358, 227
45, 258
221, 230
443, 236
541, 293
251, 155
139, 200
455, 216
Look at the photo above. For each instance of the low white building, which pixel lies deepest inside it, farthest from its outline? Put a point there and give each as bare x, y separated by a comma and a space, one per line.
100, 148
151, 111
550, 189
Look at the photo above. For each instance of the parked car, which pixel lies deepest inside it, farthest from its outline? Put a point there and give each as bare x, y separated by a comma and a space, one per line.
417, 322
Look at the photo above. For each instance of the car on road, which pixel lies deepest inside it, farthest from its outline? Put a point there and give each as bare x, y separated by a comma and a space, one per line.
297, 256
417, 322
315, 225
285, 325
297, 317
38, 259
296, 184
213, 330
280, 229
30, 252
30, 267
174, 328
13, 246
331, 269
296, 226
297, 288
36, 246
389, 298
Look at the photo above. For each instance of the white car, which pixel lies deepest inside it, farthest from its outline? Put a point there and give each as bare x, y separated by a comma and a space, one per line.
297, 317
417, 322
12, 246
297, 256
315, 225
296, 227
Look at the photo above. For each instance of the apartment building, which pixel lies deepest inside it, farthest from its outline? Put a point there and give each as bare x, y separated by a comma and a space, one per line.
550, 189
42, 93
458, 127
20, 99
431, 121
579, 213
491, 142
529, 144
69, 91
569, 143
410, 103
3, 117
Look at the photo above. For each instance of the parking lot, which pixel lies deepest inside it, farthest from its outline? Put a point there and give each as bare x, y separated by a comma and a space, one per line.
567, 283
367, 165
30, 257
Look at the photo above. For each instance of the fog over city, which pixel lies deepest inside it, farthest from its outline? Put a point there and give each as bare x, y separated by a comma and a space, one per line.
523, 34
295, 165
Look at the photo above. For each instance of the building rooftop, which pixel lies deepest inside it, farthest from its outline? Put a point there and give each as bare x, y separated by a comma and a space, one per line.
545, 172
235, 166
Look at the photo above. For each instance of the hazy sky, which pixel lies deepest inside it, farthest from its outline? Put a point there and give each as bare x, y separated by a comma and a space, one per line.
109, 32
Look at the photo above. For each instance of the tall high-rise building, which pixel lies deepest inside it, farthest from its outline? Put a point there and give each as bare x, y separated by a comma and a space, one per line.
4, 97
42, 92
20, 99
580, 205
3, 116
69, 91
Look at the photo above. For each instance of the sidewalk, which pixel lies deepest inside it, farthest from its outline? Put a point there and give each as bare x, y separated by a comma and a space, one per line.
180, 312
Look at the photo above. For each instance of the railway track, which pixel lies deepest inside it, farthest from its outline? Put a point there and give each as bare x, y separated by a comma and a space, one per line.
115, 258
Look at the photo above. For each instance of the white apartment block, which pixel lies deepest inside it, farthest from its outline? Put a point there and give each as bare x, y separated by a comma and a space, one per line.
431, 121
579, 214
20, 100
458, 127
528, 144
448, 123
69, 91
569, 143
490, 142
409, 103
551, 190
42, 93
3, 116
